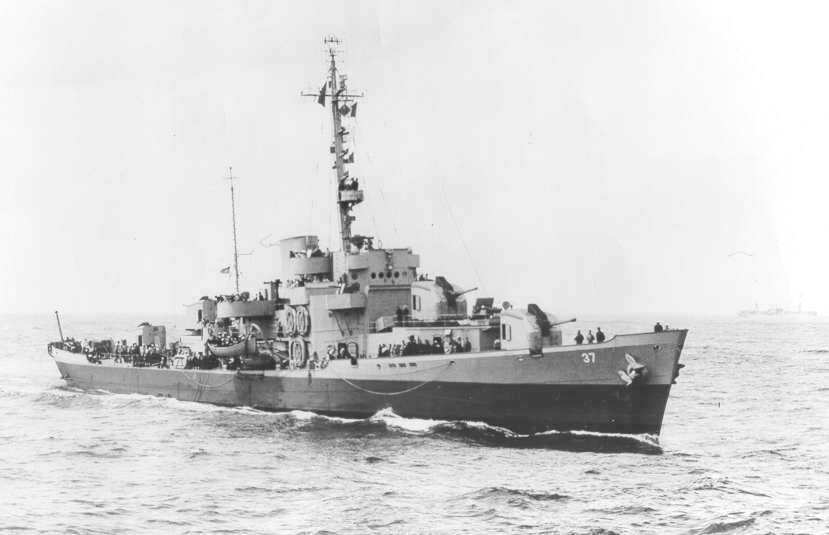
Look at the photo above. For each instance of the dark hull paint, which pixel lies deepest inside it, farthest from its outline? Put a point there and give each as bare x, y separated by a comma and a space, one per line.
523, 408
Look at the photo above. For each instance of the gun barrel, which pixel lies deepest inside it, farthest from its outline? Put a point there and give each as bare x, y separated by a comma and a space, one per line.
571, 320
458, 294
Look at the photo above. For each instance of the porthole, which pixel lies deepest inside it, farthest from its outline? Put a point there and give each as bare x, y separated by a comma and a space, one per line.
381, 274
396, 274
388, 274
374, 275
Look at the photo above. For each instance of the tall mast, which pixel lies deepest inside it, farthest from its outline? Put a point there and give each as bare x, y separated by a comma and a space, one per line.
231, 178
339, 167
342, 104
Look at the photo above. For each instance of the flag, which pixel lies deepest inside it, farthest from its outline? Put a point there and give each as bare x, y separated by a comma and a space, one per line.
349, 159
344, 109
354, 110
321, 98
225, 270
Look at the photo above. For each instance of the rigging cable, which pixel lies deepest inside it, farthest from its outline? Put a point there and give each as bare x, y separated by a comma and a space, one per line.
371, 210
406, 391
460, 235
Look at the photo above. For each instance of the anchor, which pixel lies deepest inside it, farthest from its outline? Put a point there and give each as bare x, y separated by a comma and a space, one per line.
635, 371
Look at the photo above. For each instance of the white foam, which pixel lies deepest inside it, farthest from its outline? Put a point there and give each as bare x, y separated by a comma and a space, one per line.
414, 425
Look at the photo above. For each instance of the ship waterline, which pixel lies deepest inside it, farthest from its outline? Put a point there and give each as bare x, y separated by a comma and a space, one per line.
562, 388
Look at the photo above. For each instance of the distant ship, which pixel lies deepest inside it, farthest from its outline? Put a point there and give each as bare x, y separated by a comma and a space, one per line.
361, 329
777, 311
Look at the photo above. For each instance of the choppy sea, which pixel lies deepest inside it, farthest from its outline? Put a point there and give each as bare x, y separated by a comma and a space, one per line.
744, 449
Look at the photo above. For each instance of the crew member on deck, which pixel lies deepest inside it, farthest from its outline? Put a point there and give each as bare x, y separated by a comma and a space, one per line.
658, 328
590, 337
599, 335
579, 337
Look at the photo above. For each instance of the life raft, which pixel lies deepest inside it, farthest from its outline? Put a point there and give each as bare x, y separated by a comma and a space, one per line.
297, 353
245, 347
303, 321
290, 321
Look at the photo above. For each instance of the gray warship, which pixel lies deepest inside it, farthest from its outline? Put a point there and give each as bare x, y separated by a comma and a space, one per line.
358, 330
776, 311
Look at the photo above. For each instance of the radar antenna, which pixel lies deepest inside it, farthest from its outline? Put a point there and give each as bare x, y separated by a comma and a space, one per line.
343, 104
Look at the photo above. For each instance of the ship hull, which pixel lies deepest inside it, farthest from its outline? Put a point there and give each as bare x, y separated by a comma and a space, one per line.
566, 388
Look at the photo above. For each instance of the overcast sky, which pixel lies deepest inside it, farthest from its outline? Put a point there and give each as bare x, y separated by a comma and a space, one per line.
593, 157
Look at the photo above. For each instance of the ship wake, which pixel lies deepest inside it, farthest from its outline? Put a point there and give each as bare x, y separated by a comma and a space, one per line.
383, 423
483, 434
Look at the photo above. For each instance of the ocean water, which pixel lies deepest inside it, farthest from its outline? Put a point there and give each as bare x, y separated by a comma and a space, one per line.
744, 449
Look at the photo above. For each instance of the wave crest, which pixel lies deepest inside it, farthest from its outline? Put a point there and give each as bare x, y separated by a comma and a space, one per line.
511, 493
484, 434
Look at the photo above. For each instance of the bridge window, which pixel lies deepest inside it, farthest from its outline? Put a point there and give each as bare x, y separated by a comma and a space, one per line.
354, 275
506, 332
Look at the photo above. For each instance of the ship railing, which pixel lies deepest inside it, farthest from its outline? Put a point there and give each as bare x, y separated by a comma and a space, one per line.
445, 320
137, 360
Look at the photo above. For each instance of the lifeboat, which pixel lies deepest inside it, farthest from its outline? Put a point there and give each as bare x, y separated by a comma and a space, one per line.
245, 347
